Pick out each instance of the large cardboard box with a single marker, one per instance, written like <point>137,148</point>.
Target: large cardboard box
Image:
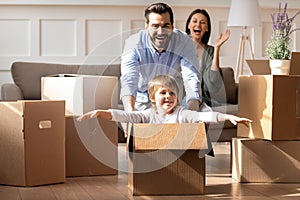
<point>165,159</point>
<point>273,104</point>
<point>32,142</point>
<point>265,161</point>
<point>82,93</point>
<point>91,147</point>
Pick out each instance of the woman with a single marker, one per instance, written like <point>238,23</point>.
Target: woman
<point>198,26</point>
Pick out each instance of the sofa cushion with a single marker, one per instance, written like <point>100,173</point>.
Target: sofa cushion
<point>228,92</point>
<point>27,75</point>
<point>101,70</point>
<point>230,85</point>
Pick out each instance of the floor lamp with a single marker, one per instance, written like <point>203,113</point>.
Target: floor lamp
<point>243,13</point>
<point>244,39</point>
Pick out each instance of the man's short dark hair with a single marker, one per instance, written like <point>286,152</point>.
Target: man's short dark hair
<point>159,8</point>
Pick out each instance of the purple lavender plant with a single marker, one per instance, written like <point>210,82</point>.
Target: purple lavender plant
<point>282,21</point>
<point>279,45</point>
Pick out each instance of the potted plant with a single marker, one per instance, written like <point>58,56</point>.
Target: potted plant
<point>279,47</point>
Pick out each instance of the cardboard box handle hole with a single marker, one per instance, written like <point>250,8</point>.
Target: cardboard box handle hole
<point>45,124</point>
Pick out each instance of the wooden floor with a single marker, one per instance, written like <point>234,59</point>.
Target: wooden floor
<point>219,185</point>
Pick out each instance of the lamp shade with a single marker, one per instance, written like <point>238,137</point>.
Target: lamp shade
<point>244,13</point>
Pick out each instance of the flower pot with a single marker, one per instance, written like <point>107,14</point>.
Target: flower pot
<point>280,67</point>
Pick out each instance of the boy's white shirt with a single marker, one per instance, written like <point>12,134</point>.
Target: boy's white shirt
<point>180,115</point>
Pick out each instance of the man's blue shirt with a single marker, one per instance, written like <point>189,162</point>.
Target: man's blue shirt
<point>141,62</point>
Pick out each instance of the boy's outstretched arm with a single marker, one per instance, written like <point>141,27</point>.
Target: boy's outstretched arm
<point>103,114</point>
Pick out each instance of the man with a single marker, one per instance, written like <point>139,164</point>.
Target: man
<point>158,50</point>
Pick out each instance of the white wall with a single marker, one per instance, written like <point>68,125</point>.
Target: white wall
<point>93,31</point>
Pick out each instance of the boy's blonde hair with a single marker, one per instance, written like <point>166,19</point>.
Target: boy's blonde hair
<point>161,81</point>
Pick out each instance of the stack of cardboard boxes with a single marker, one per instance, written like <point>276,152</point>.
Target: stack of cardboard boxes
<point>92,145</point>
<point>268,149</point>
<point>42,143</point>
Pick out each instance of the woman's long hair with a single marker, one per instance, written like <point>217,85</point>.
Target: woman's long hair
<point>206,35</point>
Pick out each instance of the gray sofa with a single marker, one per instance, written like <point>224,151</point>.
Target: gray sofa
<point>27,86</point>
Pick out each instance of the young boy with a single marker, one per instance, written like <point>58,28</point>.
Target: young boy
<point>163,94</point>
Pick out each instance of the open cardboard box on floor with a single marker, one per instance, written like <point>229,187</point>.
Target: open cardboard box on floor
<point>82,93</point>
<point>273,105</point>
<point>165,159</point>
<point>32,142</point>
<point>91,147</point>
<point>265,161</point>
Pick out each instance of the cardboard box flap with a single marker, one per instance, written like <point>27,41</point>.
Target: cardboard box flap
<point>82,93</point>
<point>177,136</point>
<point>11,143</point>
<point>63,75</point>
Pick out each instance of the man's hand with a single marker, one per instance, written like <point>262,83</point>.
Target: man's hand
<point>128,103</point>
<point>193,105</point>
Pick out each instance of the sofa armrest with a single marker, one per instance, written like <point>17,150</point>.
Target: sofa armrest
<point>10,91</point>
